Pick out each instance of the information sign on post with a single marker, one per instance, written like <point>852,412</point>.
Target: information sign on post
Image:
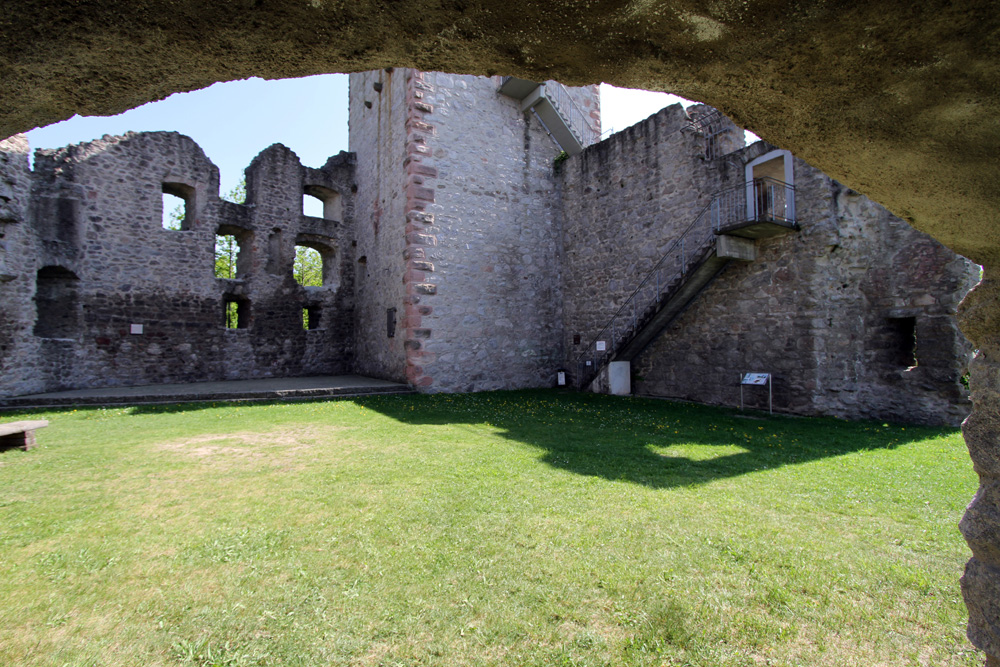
<point>757,380</point>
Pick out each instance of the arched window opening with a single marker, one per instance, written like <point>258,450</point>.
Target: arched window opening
<point>308,266</point>
<point>56,303</point>
<point>178,206</point>
<point>316,262</point>
<point>232,252</point>
<point>320,202</point>
<point>236,313</point>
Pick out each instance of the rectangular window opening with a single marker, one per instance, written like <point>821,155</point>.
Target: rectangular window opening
<point>173,212</point>
<point>178,206</point>
<point>227,249</point>
<point>903,341</point>
<point>311,318</point>
<point>236,314</point>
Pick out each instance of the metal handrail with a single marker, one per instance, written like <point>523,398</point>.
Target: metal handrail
<point>567,107</point>
<point>727,208</point>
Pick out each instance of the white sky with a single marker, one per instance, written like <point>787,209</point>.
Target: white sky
<point>234,121</point>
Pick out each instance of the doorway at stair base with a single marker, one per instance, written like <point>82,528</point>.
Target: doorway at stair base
<point>764,202</point>
<point>620,378</point>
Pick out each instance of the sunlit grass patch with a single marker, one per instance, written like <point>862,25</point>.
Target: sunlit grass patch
<point>509,528</point>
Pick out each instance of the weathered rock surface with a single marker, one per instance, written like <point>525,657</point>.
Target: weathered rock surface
<point>895,99</point>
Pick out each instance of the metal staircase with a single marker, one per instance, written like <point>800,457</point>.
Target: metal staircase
<point>722,232</point>
<point>567,124</point>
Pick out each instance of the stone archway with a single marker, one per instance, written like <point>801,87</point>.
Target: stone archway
<point>895,99</point>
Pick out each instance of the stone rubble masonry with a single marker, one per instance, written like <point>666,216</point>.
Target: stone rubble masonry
<point>89,258</point>
<point>480,266</point>
<point>378,109</point>
<point>816,309</point>
<point>465,259</point>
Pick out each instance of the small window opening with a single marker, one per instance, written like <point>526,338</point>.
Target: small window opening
<point>56,302</point>
<point>311,317</point>
<point>236,313</point>
<point>320,202</point>
<point>308,266</point>
<point>903,341</point>
<point>312,206</point>
<point>178,207</point>
<point>232,255</point>
<point>390,322</point>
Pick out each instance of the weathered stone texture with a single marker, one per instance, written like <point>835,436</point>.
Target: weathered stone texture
<point>624,202</point>
<point>482,308</point>
<point>378,135</point>
<point>97,260</point>
<point>815,309</point>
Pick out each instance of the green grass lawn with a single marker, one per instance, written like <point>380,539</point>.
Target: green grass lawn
<point>509,528</point>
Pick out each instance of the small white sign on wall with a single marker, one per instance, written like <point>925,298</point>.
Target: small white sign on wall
<point>136,329</point>
<point>602,345</point>
<point>759,379</point>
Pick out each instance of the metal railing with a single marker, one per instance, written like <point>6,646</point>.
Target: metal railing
<point>771,200</point>
<point>576,118</point>
<point>727,209</point>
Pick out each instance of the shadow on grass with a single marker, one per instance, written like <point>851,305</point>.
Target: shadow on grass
<point>622,438</point>
<point>616,438</point>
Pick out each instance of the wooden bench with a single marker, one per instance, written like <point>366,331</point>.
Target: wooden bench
<point>20,434</point>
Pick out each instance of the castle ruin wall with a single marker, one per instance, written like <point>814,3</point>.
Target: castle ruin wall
<point>106,296</point>
<point>828,310</point>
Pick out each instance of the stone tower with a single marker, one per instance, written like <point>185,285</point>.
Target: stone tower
<point>458,231</point>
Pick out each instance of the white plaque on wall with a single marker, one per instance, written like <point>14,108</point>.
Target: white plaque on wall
<point>602,346</point>
<point>136,329</point>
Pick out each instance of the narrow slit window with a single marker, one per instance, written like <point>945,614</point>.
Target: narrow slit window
<point>311,318</point>
<point>903,341</point>
<point>236,314</point>
<point>232,260</point>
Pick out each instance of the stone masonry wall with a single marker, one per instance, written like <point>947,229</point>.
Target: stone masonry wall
<point>480,261</point>
<point>825,309</point>
<point>100,261</point>
<point>378,111</point>
<point>624,201</point>
<point>816,309</point>
<point>18,348</point>
<point>496,320</point>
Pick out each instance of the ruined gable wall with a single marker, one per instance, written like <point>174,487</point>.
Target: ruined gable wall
<point>624,201</point>
<point>96,212</point>
<point>798,313</point>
